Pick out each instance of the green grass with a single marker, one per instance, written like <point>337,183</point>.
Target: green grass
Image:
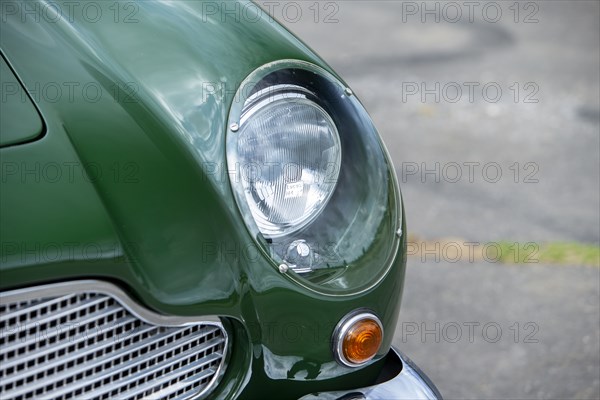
<point>563,253</point>
<point>505,252</point>
<point>570,253</point>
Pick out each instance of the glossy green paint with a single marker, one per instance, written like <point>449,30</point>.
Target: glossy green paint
<point>116,188</point>
<point>20,121</point>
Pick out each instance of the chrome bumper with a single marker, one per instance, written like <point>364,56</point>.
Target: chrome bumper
<point>400,379</point>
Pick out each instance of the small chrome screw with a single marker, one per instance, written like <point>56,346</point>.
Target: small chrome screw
<point>234,127</point>
<point>348,92</point>
<point>399,232</point>
<point>283,268</point>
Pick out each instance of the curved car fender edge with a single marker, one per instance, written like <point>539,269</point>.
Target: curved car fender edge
<point>404,381</point>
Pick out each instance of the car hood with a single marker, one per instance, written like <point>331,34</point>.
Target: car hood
<point>136,134</point>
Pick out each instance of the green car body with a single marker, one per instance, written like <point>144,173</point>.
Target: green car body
<point>113,184</point>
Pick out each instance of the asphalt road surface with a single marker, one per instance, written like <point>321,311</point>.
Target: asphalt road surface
<point>493,122</point>
<point>485,331</point>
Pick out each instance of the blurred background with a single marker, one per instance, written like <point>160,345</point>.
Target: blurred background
<point>491,113</point>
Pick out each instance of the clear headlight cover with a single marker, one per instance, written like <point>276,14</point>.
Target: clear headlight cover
<point>288,150</point>
<point>311,177</point>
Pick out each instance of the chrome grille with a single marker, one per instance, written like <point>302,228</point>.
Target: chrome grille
<point>88,340</point>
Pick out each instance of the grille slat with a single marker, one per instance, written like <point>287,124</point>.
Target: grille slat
<point>115,367</point>
<point>52,317</point>
<point>78,342</point>
<point>38,336</point>
<point>28,308</point>
<point>173,388</point>
<point>145,390</point>
<point>117,371</point>
<point>87,339</point>
<point>176,395</point>
<point>72,357</point>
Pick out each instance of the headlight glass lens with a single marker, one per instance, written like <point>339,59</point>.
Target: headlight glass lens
<point>311,177</point>
<point>289,150</point>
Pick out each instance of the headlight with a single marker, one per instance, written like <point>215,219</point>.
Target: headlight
<point>294,148</point>
<point>311,177</point>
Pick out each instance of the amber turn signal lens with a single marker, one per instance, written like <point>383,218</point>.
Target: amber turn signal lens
<point>362,341</point>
